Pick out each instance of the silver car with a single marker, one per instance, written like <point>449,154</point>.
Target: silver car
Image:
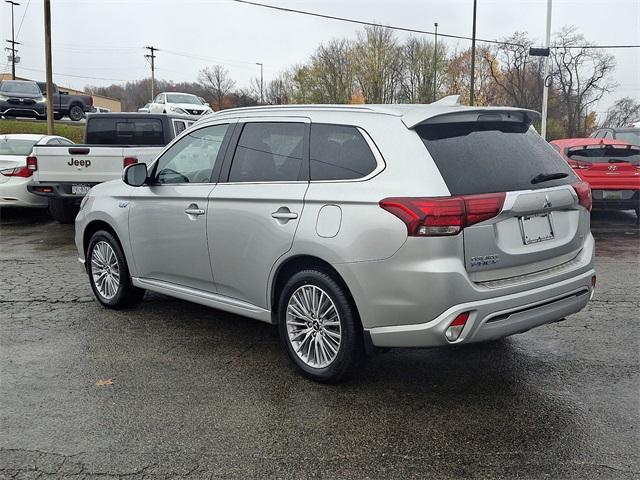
<point>351,227</point>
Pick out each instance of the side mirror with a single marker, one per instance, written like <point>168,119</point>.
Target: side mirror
<point>135,175</point>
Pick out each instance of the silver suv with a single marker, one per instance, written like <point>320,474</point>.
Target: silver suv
<point>351,227</point>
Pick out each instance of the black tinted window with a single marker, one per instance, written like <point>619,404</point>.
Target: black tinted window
<point>268,152</point>
<point>484,157</point>
<point>119,131</point>
<point>339,153</point>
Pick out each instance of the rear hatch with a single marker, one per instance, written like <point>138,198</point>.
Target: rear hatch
<point>540,223</point>
<point>78,163</point>
<point>607,167</point>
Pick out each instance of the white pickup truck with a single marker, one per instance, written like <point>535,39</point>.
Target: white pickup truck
<point>111,142</point>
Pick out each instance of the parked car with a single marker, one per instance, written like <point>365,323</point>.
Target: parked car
<point>21,98</point>
<point>68,105</point>
<point>630,135</point>
<point>144,108</point>
<point>351,227</point>
<point>611,167</point>
<point>181,103</point>
<point>111,141</point>
<point>15,175</point>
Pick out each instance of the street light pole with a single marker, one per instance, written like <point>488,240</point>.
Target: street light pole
<point>473,56</point>
<point>261,82</point>
<point>435,62</point>
<point>545,85</point>
<point>13,40</point>
<point>48,63</point>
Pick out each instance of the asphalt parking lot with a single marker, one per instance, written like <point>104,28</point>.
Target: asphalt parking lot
<point>177,390</point>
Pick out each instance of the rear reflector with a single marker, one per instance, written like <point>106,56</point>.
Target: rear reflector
<point>32,163</point>
<point>583,190</point>
<point>455,329</point>
<point>17,172</point>
<point>44,189</point>
<point>438,216</point>
<point>129,161</point>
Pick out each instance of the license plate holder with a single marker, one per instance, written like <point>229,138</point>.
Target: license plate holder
<point>536,228</point>
<point>611,194</point>
<point>80,189</point>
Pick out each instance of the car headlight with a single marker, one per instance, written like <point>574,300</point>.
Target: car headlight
<point>177,110</point>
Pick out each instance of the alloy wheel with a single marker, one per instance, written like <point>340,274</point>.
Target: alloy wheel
<point>313,326</point>
<point>105,270</point>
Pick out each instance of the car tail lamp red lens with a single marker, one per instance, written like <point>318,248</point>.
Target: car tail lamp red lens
<point>129,161</point>
<point>583,190</point>
<point>32,163</point>
<point>440,216</point>
<point>455,328</point>
<point>17,172</point>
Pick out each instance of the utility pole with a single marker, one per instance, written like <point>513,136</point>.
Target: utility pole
<point>48,62</point>
<point>261,83</point>
<point>545,85</point>
<point>473,56</point>
<point>435,62</point>
<point>13,42</point>
<point>152,56</point>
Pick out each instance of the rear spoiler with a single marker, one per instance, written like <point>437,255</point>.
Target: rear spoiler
<point>445,112</point>
<point>621,146</point>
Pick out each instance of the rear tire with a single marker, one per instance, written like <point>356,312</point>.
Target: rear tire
<point>76,113</point>
<point>63,211</point>
<point>319,327</point>
<point>109,273</point>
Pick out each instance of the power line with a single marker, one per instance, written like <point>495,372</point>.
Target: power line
<point>413,30</point>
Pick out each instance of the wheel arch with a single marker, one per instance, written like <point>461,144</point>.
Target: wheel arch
<point>92,227</point>
<point>296,263</point>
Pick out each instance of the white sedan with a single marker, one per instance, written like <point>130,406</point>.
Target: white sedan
<point>14,173</point>
<point>182,103</point>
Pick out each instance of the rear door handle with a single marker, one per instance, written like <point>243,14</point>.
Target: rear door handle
<point>194,210</point>
<point>283,213</point>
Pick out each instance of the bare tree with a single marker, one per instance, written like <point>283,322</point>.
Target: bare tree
<point>332,65</point>
<point>622,113</point>
<point>580,76</point>
<point>280,90</point>
<point>418,67</point>
<point>518,76</point>
<point>217,81</point>
<point>458,82</point>
<point>377,61</point>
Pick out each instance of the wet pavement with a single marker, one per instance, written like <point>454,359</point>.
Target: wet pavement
<point>177,390</point>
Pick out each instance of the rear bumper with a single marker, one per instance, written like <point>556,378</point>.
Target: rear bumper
<point>630,199</point>
<point>495,317</point>
<point>57,189</point>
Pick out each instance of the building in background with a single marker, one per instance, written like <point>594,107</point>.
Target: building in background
<point>112,104</point>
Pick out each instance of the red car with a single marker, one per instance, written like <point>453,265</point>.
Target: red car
<point>611,167</point>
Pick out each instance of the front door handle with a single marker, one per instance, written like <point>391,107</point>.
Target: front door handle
<point>194,210</point>
<point>283,214</point>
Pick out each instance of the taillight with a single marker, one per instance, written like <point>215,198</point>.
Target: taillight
<point>438,216</point>
<point>32,163</point>
<point>129,161</point>
<point>17,172</point>
<point>583,190</point>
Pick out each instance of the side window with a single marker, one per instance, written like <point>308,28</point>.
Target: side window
<point>268,152</point>
<point>64,141</point>
<point>53,141</point>
<point>608,134</point>
<point>192,158</point>
<point>160,98</point>
<point>179,127</point>
<point>339,153</point>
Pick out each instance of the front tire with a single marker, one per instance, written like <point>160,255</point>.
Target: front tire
<point>319,327</point>
<point>109,273</point>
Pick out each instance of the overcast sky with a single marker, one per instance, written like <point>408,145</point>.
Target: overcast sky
<point>104,38</point>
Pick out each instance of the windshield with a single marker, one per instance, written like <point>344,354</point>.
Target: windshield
<point>632,137</point>
<point>19,87</point>
<point>487,157</point>
<point>606,154</point>
<point>9,146</point>
<point>183,98</point>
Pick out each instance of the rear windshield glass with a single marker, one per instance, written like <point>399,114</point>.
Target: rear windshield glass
<point>16,147</point>
<point>606,154</point>
<point>633,137</point>
<point>119,131</point>
<point>485,157</point>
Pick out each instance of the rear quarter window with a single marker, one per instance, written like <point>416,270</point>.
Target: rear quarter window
<point>339,152</point>
<point>487,157</point>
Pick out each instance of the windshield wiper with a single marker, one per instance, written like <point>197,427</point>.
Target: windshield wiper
<point>618,160</point>
<point>545,177</point>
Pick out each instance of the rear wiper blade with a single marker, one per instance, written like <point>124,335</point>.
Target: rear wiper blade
<point>545,177</point>
<point>618,160</point>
